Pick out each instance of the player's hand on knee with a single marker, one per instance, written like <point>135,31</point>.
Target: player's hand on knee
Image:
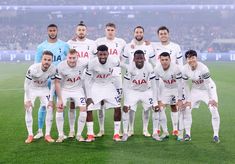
<point>125,109</point>
<point>161,105</point>
<point>156,108</point>
<point>213,103</point>
<point>50,104</point>
<point>60,106</point>
<point>180,104</point>
<point>187,104</point>
<point>89,101</point>
<point>28,105</point>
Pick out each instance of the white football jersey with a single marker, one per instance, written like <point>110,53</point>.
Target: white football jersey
<point>147,49</point>
<point>172,48</point>
<point>116,46</point>
<point>198,76</point>
<point>101,73</point>
<point>139,79</point>
<point>86,49</point>
<point>71,78</point>
<point>169,76</point>
<point>39,78</point>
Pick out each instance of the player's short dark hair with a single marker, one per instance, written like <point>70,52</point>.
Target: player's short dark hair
<point>110,24</point>
<point>102,48</point>
<point>139,27</point>
<point>47,53</point>
<point>138,52</point>
<point>162,28</point>
<point>165,54</point>
<point>72,51</point>
<point>52,25</point>
<point>190,53</point>
<point>81,23</point>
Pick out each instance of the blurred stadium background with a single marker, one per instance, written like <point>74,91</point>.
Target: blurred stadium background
<point>207,26</point>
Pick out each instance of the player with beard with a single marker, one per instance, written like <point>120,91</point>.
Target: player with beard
<point>139,86</point>
<point>59,49</point>
<point>116,47</point>
<point>86,50</point>
<point>35,86</point>
<point>138,43</point>
<point>99,87</point>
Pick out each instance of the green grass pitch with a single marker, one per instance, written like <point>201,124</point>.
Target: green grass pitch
<point>137,149</point>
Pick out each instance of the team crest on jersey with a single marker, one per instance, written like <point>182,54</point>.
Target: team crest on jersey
<point>139,82</point>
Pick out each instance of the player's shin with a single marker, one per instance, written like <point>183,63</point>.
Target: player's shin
<point>163,120</point>
<point>131,121</point>
<point>49,119</point>
<point>155,120</point>
<point>29,121</point>
<point>60,123</point>
<point>41,117</point>
<point>215,120</point>
<point>187,117</point>
<point>101,117</point>
<point>117,120</point>
<point>72,117</point>
<point>145,117</point>
<point>81,122</point>
<point>125,121</point>
<point>175,120</point>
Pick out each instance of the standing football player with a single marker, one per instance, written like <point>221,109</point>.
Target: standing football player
<point>115,47</point>
<point>59,49</point>
<point>86,49</point>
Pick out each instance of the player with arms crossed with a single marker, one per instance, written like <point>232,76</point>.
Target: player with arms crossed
<point>99,87</point>
<point>116,47</point>
<point>86,49</point>
<point>138,43</point>
<point>139,85</point>
<point>203,89</point>
<point>69,85</point>
<point>169,94</point>
<point>59,49</point>
<point>35,85</point>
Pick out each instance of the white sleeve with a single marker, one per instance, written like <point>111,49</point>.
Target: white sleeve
<point>207,80</point>
<point>179,83</point>
<point>186,87</point>
<point>27,83</point>
<point>125,55</point>
<point>179,57</point>
<point>152,57</point>
<point>88,81</point>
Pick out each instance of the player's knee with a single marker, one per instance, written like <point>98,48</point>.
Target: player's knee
<point>214,112</point>
<point>117,114</point>
<point>173,108</point>
<point>72,105</point>
<point>89,116</point>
